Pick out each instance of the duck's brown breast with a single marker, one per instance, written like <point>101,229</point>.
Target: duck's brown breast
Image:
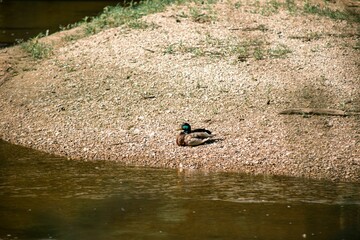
<point>180,139</point>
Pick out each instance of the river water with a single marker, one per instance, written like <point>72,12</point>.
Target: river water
<point>48,197</point>
<point>23,19</point>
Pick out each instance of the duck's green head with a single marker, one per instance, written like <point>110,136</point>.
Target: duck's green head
<point>186,128</point>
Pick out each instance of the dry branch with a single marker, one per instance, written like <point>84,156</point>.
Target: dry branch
<point>318,111</point>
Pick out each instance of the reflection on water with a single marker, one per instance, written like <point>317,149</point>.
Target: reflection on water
<point>48,197</point>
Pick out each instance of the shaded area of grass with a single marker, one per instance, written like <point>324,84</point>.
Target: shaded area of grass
<point>274,6</point>
<point>327,12</point>
<point>242,50</point>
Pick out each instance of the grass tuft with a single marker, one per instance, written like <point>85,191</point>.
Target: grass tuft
<point>280,51</point>
<point>114,16</point>
<point>35,48</point>
<point>243,50</point>
<point>273,6</point>
<point>140,24</point>
<point>327,12</point>
<point>202,15</point>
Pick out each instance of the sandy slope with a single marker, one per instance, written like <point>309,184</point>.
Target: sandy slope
<point>120,94</point>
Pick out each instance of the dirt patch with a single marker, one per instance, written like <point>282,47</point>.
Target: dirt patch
<point>230,67</point>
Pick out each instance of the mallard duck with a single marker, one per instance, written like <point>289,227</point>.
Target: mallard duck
<point>194,137</point>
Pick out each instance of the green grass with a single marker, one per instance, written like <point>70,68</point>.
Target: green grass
<point>258,53</point>
<point>311,36</point>
<point>251,48</point>
<point>140,24</point>
<point>357,45</point>
<point>315,9</point>
<point>237,5</point>
<point>197,15</point>
<point>201,11</point>
<point>37,49</point>
<point>290,6</point>
<point>71,37</point>
<point>327,12</point>
<point>220,48</point>
<point>114,16</point>
<point>271,7</point>
<point>279,51</point>
<point>202,14</point>
<point>170,49</point>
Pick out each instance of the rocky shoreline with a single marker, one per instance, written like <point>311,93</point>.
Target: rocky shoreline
<point>120,94</point>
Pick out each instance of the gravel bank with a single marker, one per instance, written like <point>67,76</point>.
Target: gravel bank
<point>120,94</point>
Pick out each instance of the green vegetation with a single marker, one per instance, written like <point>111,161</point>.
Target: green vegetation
<point>273,6</point>
<point>140,24</point>
<point>199,11</point>
<point>247,49</point>
<point>72,37</point>
<point>216,47</point>
<point>267,9</point>
<point>258,53</point>
<point>114,16</point>
<point>290,6</point>
<point>357,45</point>
<point>237,5</point>
<point>35,48</point>
<point>203,14</point>
<point>308,37</point>
<point>280,51</point>
<point>315,9</point>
